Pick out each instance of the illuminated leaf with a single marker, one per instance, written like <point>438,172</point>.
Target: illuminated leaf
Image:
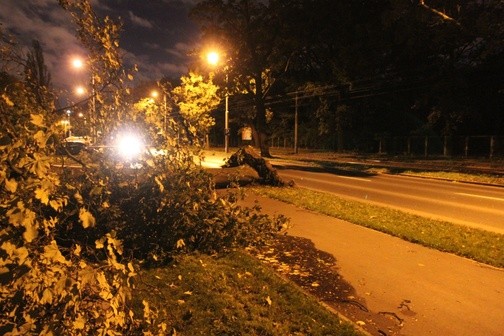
<point>78,198</point>
<point>42,195</point>
<point>20,254</point>
<point>87,219</point>
<point>53,254</point>
<point>7,100</point>
<point>100,243</point>
<point>146,309</point>
<point>77,250</point>
<point>79,323</point>
<point>15,216</point>
<point>41,139</point>
<point>31,232</point>
<point>105,288</point>
<point>37,119</point>
<point>11,185</point>
<point>56,204</point>
<point>180,243</point>
<point>47,296</point>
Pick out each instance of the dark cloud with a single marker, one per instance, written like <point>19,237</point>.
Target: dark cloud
<point>157,34</point>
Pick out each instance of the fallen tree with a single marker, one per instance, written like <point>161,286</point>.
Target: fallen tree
<point>247,155</point>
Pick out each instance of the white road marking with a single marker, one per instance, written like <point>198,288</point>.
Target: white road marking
<point>480,196</point>
<point>354,178</point>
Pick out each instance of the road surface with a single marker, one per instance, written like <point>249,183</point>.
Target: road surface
<point>461,203</point>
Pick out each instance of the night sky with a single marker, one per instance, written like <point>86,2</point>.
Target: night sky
<point>157,35</point>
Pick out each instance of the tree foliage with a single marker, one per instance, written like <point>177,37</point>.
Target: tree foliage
<point>399,67</point>
<point>195,99</point>
<point>247,33</point>
<point>71,240</point>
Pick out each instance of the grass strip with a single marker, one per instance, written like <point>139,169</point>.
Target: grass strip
<point>461,177</point>
<point>479,245</point>
<point>233,294</point>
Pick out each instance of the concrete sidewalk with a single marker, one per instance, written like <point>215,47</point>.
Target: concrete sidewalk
<point>434,293</point>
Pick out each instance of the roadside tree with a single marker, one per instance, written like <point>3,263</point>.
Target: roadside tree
<point>72,240</point>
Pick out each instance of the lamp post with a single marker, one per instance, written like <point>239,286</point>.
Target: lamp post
<point>155,95</point>
<point>213,58</point>
<point>78,64</point>
<point>68,112</point>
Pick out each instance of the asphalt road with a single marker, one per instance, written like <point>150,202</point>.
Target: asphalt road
<point>478,206</point>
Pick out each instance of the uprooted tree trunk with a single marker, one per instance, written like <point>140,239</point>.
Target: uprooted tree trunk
<point>247,155</point>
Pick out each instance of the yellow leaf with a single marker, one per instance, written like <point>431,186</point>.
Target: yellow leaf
<point>86,218</point>
<point>46,296</point>
<point>77,250</point>
<point>180,243</point>
<point>42,195</point>
<point>31,231</point>
<point>53,254</point>
<point>37,119</point>
<point>78,198</point>
<point>56,205</point>
<point>11,185</point>
<point>7,100</point>
<point>79,323</point>
<point>146,309</point>
<point>40,138</point>
<point>100,243</point>
<point>15,253</point>
<point>268,300</point>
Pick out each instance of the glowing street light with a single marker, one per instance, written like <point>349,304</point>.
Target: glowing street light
<point>78,64</point>
<point>80,90</point>
<point>213,59</point>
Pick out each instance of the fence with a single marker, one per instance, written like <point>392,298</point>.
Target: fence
<point>486,146</point>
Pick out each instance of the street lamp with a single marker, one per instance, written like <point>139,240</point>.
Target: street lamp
<point>78,64</point>
<point>80,90</point>
<point>68,112</point>
<point>213,59</point>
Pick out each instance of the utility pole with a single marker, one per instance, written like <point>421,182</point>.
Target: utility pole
<point>296,125</point>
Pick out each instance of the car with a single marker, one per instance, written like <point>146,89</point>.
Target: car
<point>73,145</point>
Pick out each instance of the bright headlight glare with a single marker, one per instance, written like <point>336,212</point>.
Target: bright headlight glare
<point>129,146</point>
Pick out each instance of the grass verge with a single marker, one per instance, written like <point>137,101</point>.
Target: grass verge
<point>460,177</point>
<point>479,245</point>
<point>232,294</point>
